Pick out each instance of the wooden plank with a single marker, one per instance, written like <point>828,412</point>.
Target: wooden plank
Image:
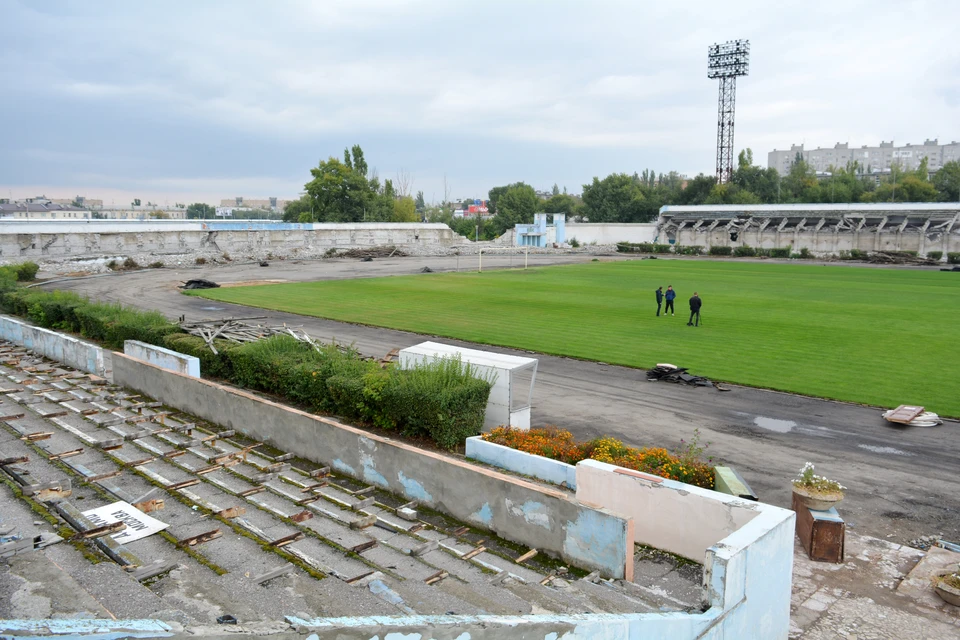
<point>14,460</point>
<point>526,556</point>
<point>460,531</point>
<point>320,473</point>
<point>313,487</point>
<point>105,530</point>
<point>303,516</point>
<point>201,538</point>
<point>250,492</point>
<point>232,512</point>
<point>11,416</point>
<point>359,577</point>
<point>210,469</point>
<point>360,548</point>
<point>65,454</point>
<point>39,435</point>
<point>308,500</point>
<point>472,554</point>
<point>148,506</point>
<point>904,413</point>
<point>284,541</point>
<point>139,463</point>
<point>103,476</point>
<point>182,485</point>
<point>173,454</point>
<point>436,577</point>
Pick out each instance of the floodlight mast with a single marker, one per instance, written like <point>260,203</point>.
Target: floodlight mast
<point>725,62</point>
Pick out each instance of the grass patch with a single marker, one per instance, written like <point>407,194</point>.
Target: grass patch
<point>877,336</point>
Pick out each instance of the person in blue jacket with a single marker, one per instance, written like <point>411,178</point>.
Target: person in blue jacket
<point>659,299</point>
<point>671,294</point>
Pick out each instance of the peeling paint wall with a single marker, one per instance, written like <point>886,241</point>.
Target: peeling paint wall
<point>553,471</point>
<point>611,232</point>
<point>164,358</point>
<point>518,510</point>
<point>56,346</point>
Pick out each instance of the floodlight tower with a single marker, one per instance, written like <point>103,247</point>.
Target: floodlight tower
<point>727,61</point>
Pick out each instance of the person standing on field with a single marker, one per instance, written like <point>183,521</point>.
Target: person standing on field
<point>695,304</point>
<point>671,294</point>
<point>659,299</point>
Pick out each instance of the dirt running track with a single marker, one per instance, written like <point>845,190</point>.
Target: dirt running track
<point>902,482</point>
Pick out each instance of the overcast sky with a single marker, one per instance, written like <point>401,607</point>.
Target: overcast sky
<point>183,101</point>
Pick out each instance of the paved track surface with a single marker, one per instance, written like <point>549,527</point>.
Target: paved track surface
<point>902,482</point>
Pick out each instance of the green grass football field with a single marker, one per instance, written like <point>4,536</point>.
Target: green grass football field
<point>876,336</point>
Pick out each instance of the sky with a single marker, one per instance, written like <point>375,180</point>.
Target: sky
<point>185,101</point>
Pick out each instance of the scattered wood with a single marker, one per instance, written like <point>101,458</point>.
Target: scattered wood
<point>14,460</point>
<point>250,492</point>
<point>65,454</point>
<point>141,462</point>
<point>314,487</point>
<point>232,512</point>
<point>276,573</point>
<point>472,554</point>
<point>320,473</point>
<point>307,500</point>
<point>11,416</point>
<point>904,414</point>
<point>103,476</point>
<point>182,485</point>
<point>360,548</point>
<point>210,469</point>
<point>105,530</point>
<point>460,531</point>
<point>284,541</point>
<point>303,516</point>
<point>173,454</point>
<point>436,577</point>
<point>39,435</point>
<point>201,538</point>
<point>526,556</point>
<point>359,577</point>
<point>147,506</point>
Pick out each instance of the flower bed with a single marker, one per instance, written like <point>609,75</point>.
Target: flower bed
<point>684,466</point>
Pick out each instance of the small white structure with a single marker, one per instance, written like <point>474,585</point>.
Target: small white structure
<point>512,377</point>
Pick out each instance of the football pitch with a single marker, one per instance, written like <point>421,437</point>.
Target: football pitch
<point>875,336</point>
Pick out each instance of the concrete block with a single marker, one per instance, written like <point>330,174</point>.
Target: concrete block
<point>407,514</point>
<point>164,358</point>
<point>363,523</point>
<point>365,503</point>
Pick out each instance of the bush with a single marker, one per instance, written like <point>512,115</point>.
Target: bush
<point>692,250</point>
<point>26,271</point>
<point>953,258</point>
<point>783,252</point>
<point>200,260</point>
<point>574,243</point>
<point>805,254</point>
<point>935,255</point>
<point>130,263</point>
<point>743,251</point>
<point>687,465</point>
<point>721,251</point>
<point>156,265</point>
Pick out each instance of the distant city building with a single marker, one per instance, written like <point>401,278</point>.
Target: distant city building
<point>42,210</point>
<point>272,203</point>
<point>871,160</point>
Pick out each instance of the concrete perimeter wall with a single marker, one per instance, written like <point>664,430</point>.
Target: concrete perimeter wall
<point>611,233</point>
<point>497,455</point>
<point>56,346</point>
<point>521,511</point>
<point>163,358</point>
<point>61,239</point>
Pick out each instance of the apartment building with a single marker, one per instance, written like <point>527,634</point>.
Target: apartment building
<point>870,159</point>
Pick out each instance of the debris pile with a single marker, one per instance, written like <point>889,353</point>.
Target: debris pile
<point>236,330</point>
<point>897,257</point>
<point>388,251</point>
<point>199,283</point>
<point>672,373</point>
<point>913,416</point>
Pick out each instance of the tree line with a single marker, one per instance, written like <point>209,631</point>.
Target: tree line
<point>347,191</point>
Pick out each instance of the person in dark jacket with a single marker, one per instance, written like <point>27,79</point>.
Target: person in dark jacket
<point>671,294</point>
<point>659,299</point>
<point>695,304</point>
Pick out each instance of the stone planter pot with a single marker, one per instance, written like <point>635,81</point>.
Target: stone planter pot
<point>949,593</point>
<point>817,502</point>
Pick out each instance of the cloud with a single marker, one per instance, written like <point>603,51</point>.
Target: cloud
<point>157,96</point>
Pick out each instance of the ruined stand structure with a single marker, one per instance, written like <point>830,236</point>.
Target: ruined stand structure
<point>822,229</point>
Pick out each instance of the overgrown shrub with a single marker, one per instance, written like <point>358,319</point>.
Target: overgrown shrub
<point>721,251</point>
<point>686,465</point>
<point>200,260</point>
<point>692,250</point>
<point>130,264</point>
<point>574,243</point>
<point>26,271</point>
<point>743,251</point>
<point>935,255</point>
<point>156,265</point>
<point>953,257</point>
<point>805,254</point>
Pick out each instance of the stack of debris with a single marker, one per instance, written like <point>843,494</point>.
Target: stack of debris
<point>913,416</point>
<point>897,257</point>
<point>236,330</point>
<point>373,252</point>
<point>673,373</point>
<point>199,283</point>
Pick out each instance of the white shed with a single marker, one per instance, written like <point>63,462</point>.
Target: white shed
<point>512,389</point>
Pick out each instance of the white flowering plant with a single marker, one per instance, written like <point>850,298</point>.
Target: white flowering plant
<point>810,482</point>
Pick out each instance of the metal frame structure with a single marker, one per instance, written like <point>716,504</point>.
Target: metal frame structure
<point>725,62</point>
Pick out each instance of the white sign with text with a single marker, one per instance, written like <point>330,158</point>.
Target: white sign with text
<point>139,524</point>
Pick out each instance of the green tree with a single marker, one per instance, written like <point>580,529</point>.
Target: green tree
<point>516,206</point>
<point>947,182</point>
<point>405,210</point>
<point>296,208</point>
<point>560,203</point>
<point>201,210</point>
<point>730,193</point>
<point>556,190</point>
<point>697,190</point>
<point>420,203</point>
<point>616,198</point>
<point>338,193</point>
<point>359,164</point>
